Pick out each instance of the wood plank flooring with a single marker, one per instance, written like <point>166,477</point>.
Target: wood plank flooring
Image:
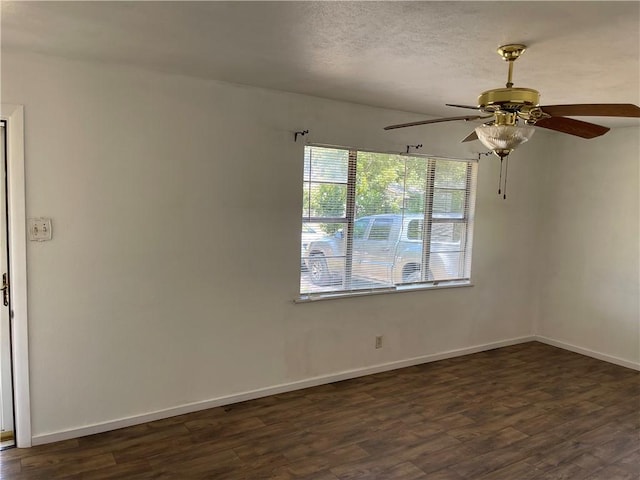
<point>525,412</point>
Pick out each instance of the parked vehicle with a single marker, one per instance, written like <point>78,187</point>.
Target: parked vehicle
<point>387,249</point>
<point>309,234</point>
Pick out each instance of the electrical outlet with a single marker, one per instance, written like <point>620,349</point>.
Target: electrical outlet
<point>379,341</point>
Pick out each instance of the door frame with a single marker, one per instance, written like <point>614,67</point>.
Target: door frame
<point>13,115</point>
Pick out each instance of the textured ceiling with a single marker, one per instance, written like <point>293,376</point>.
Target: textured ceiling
<point>412,56</point>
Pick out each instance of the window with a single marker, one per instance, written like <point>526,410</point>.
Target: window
<point>373,221</point>
<point>414,229</point>
<point>359,228</point>
<point>381,229</point>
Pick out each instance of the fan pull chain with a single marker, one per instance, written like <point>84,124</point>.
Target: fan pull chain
<point>502,185</point>
<point>506,172</point>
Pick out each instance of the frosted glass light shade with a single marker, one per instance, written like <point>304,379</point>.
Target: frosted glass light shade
<point>503,137</point>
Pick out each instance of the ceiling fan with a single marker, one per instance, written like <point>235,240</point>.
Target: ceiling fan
<point>511,113</point>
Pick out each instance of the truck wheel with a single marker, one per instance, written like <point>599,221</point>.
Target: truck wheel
<point>318,270</point>
<point>412,277</point>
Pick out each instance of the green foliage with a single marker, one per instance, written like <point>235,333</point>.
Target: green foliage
<point>388,183</point>
<point>385,183</point>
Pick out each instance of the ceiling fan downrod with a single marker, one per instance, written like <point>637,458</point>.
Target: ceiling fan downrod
<point>510,53</point>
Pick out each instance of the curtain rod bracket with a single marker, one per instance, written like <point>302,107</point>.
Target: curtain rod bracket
<point>301,133</point>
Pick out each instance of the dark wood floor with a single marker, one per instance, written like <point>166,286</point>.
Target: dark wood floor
<point>529,411</point>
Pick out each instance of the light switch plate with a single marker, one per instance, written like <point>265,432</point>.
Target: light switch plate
<point>39,229</point>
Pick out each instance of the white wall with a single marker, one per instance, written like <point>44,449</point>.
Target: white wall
<point>589,281</point>
<point>176,220</point>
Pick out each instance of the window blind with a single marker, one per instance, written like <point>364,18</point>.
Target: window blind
<point>378,221</point>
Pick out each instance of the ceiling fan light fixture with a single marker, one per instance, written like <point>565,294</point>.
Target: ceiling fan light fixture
<point>502,139</point>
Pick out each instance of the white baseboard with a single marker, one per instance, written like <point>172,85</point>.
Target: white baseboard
<point>264,392</point>
<point>312,382</point>
<point>589,353</point>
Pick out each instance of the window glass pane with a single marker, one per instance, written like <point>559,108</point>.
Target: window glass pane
<point>415,180</point>
<point>448,237</point>
<point>451,174</point>
<point>325,200</point>
<point>311,232</point>
<point>446,265</point>
<point>322,259</point>
<point>380,229</point>
<point>448,203</point>
<point>414,229</point>
<point>408,258</point>
<point>360,228</point>
<point>305,199</point>
<point>326,164</point>
<point>379,183</point>
<point>332,229</point>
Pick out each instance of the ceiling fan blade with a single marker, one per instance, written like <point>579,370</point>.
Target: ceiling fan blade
<point>471,137</point>
<point>593,110</point>
<point>572,127</point>
<point>462,106</point>
<point>437,120</point>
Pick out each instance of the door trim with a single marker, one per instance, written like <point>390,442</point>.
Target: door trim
<point>17,243</point>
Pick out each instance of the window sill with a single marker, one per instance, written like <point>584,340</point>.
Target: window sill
<point>315,297</point>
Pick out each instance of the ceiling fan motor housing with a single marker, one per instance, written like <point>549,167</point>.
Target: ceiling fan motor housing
<point>509,99</point>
